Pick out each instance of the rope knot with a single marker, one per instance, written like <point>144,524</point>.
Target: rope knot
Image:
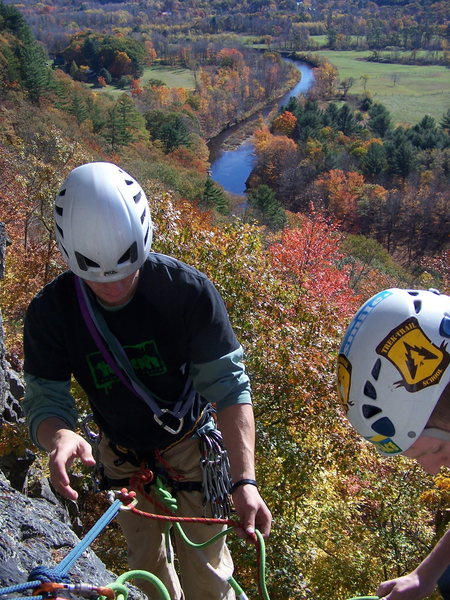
<point>142,477</point>
<point>47,574</point>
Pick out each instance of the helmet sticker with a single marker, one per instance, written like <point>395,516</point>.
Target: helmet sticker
<point>344,378</point>
<point>384,444</point>
<point>359,319</point>
<point>420,362</point>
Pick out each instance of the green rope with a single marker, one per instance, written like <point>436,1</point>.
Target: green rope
<point>137,574</point>
<point>240,594</point>
<point>262,566</point>
<point>166,497</point>
<point>201,544</point>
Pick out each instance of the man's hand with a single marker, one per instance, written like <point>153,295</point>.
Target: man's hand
<point>421,582</point>
<point>64,446</point>
<point>252,510</point>
<point>408,587</point>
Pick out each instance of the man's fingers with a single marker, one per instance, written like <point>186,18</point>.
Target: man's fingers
<point>86,457</point>
<point>61,459</point>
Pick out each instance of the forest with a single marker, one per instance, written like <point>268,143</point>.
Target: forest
<point>342,203</point>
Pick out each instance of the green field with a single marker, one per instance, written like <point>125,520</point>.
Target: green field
<point>171,76</point>
<point>408,91</point>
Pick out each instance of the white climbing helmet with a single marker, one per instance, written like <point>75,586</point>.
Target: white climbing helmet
<point>393,365</point>
<point>102,222</point>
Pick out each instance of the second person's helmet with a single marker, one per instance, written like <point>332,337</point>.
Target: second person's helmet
<point>393,365</point>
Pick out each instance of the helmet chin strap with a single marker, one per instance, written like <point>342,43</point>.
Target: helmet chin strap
<point>439,434</point>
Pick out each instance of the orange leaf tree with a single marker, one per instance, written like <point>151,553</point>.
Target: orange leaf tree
<point>337,523</point>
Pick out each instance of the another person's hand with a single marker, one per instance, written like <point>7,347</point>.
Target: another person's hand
<point>67,446</point>
<point>252,511</point>
<point>408,587</point>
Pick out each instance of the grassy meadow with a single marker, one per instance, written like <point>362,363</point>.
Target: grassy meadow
<point>408,91</point>
<point>171,76</point>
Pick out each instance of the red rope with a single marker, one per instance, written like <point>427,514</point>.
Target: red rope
<point>127,497</point>
<point>174,518</point>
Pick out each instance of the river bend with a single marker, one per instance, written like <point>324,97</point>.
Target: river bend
<point>231,168</point>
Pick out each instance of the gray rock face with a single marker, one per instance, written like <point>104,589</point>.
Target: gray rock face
<point>36,532</point>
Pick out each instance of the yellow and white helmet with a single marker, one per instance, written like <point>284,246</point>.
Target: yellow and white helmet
<point>393,365</point>
<point>102,222</point>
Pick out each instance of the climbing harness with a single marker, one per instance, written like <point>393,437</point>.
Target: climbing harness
<point>48,583</point>
<point>216,479</point>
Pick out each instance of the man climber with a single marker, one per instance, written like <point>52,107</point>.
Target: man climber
<point>394,379</point>
<point>149,340</point>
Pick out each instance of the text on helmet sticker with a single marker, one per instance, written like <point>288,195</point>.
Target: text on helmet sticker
<point>344,379</point>
<point>420,362</point>
<point>384,444</point>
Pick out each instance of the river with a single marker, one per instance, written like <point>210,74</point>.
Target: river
<point>231,168</point>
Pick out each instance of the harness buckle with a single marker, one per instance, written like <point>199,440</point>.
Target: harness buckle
<point>167,426</point>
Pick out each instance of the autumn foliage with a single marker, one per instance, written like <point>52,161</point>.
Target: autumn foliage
<point>344,518</point>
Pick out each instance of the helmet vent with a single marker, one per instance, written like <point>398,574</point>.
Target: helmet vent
<point>137,197</point>
<point>84,263</point>
<point>384,426</point>
<point>59,210</point>
<point>370,391</point>
<point>146,236</point>
<point>369,410</point>
<point>130,255</point>
<point>376,369</point>
<point>62,192</point>
<point>444,328</point>
<point>129,181</point>
<point>417,306</point>
<point>60,231</point>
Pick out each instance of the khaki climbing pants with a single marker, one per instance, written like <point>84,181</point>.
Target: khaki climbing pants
<point>197,573</point>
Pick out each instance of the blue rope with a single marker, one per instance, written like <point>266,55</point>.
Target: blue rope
<point>104,520</point>
<point>19,587</point>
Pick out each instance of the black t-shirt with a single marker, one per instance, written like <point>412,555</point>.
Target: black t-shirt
<point>175,318</point>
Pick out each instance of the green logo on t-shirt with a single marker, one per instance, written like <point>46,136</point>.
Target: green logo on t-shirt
<point>144,358</point>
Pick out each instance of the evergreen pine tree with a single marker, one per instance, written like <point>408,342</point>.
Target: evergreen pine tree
<point>125,124</point>
<point>266,207</point>
<point>400,154</point>
<point>79,109</point>
<point>34,72</point>
<point>346,122</point>
<point>379,119</point>
<point>445,122</point>
<point>94,114</point>
<point>215,197</point>
<point>374,162</point>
